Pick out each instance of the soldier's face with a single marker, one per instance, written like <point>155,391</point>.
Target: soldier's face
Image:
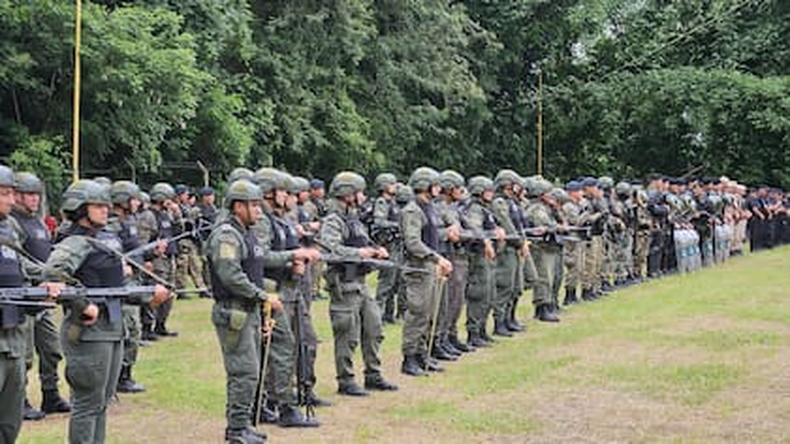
<point>317,193</point>
<point>6,200</point>
<point>488,195</point>
<point>97,214</point>
<point>290,201</point>
<point>134,205</point>
<point>360,197</point>
<point>280,198</point>
<point>250,212</point>
<point>435,190</point>
<point>30,201</point>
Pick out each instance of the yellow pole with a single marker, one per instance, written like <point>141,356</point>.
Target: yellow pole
<point>540,122</point>
<point>75,157</point>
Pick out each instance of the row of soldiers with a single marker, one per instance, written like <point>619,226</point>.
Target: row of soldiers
<point>440,243</point>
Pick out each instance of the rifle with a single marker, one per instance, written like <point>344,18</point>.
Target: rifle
<point>203,225</point>
<point>467,236</point>
<point>109,296</point>
<point>332,259</point>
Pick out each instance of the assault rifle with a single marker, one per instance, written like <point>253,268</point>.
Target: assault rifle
<point>202,226</point>
<point>36,297</point>
<point>333,259</point>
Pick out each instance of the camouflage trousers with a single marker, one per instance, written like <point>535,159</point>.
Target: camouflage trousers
<point>574,264</point>
<point>43,338</point>
<point>189,265</point>
<point>593,259</point>
<point>641,251</point>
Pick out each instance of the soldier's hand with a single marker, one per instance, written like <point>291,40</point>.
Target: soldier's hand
<point>368,252</point>
<point>524,252</point>
<point>305,254</point>
<point>454,233</point>
<point>127,270</point>
<point>445,267</point>
<point>53,290</point>
<point>500,234</point>
<point>275,302</point>
<point>298,268</point>
<point>382,253</point>
<point>300,230</point>
<point>90,315</point>
<point>489,251</point>
<point>161,295</point>
<point>314,226</point>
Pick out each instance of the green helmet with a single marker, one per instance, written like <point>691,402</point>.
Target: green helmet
<point>507,178</point>
<point>7,178</point>
<point>243,190</point>
<point>346,183</point>
<point>528,183</point>
<point>605,183</point>
<point>423,178</point>
<point>451,179</point>
<point>479,184</point>
<point>622,188</point>
<point>103,180</point>
<point>123,191</point>
<point>241,173</point>
<point>145,197</point>
<point>383,180</point>
<point>560,195</point>
<point>162,191</point>
<point>715,202</point>
<point>403,193</point>
<point>83,192</point>
<point>270,179</point>
<point>299,184</point>
<point>540,187</point>
<point>28,183</point>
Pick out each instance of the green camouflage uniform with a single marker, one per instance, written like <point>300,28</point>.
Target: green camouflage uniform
<point>385,228</point>
<point>507,262</point>
<point>574,251</point>
<point>355,315</point>
<point>481,286</point>
<point>545,255</point>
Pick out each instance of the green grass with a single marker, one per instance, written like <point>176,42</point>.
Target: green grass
<point>693,358</point>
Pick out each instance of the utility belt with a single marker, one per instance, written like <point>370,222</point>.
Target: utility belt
<point>350,272</point>
<point>248,306</point>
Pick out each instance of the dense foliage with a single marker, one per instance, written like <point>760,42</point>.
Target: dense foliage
<point>315,87</point>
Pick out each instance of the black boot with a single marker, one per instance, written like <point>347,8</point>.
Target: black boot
<point>429,364</point>
<point>246,435</point>
<point>460,346</point>
<point>606,287</point>
<point>148,334</point>
<point>570,297</point>
<point>450,348</point>
<point>476,341</point>
<point>161,330</point>
<point>32,414</point>
<point>268,413</point>
<point>125,382</point>
<point>313,400</point>
<point>441,354</point>
<point>544,313</point>
<point>411,366</point>
<point>588,295</point>
<point>52,402</point>
<point>500,329</point>
<point>486,338</point>
<point>291,416</point>
<point>351,389</point>
<point>380,384</point>
<point>512,323</point>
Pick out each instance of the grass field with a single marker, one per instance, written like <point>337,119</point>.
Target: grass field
<point>695,358</point>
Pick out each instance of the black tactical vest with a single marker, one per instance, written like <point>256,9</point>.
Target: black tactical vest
<point>284,238</point>
<point>10,276</point>
<point>166,230</point>
<point>516,216</point>
<point>101,268</point>
<point>38,242</point>
<point>430,231</point>
<point>252,265</point>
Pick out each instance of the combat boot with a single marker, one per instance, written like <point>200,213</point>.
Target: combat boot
<point>570,297</point>
<point>460,346</point>
<point>476,341</point>
<point>162,331</point>
<point>312,399</point>
<point>429,364</point>
<point>31,414</point>
<point>268,413</point>
<point>246,435</point>
<point>125,382</point>
<point>543,313</point>
<point>486,338</point>
<point>511,322</point>
<point>500,329</point>
<point>411,366</point>
<point>380,384</point>
<point>450,348</point>
<point>351,389</point>
<point>441,354</point>
<point>588,294</point>
<point>291,416</point>
<point>52,402</point>
<point>148,334</point>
